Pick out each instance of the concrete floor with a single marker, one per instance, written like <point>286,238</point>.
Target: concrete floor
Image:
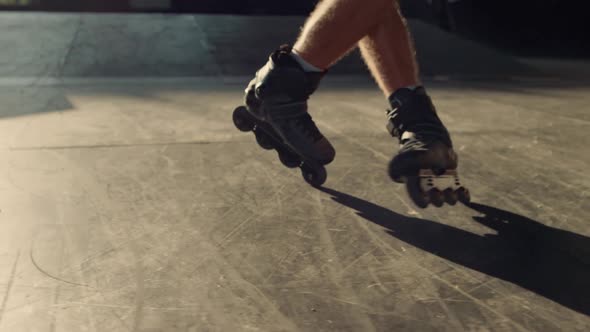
<point>133,204</point>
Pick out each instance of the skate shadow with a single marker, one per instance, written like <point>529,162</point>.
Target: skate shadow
<point>548,261</point>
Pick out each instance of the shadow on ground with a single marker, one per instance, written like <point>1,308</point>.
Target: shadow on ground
<point>548,261</point>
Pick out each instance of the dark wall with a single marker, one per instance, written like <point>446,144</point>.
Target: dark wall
<point>178,6</point>
<point>550,27</point>
<point>247,6</point>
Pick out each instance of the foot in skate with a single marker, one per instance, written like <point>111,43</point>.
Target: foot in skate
<point>426,161</point>
<point>276,111</point>
<point>312,171</point>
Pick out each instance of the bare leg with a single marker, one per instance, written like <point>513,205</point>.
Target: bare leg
<point>336,26</point>
<point>333,29</point>
<point>389,52</point>
<point>276,99</point>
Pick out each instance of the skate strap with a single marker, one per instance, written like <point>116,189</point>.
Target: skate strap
<point>424,132</point>
<point>417,114</point>
<point>288,111</point>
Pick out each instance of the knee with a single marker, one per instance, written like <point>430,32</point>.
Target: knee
<point>379,6</point>
<point>389,3</point>
<point>382,4</point>
<point>393,3</point>
<point>386,9</point>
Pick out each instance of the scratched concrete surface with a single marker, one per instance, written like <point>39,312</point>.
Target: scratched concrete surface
<point>132,204</point>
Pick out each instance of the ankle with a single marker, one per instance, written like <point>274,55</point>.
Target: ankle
<point>305,65</point>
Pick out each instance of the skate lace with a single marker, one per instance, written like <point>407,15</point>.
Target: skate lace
<point>306,124</point>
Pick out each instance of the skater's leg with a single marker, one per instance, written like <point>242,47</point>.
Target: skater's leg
<point>388,51</point>
<point>336,26</point>
<point>426,160</point>
<point>279,92</point>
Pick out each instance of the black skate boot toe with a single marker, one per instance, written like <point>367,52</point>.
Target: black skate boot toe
<point>402,166</point>
<point>325,151</point>
<point>438,158</point>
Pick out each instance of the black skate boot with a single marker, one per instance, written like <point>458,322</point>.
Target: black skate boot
<point>276,111</point>
<point>426,161</point>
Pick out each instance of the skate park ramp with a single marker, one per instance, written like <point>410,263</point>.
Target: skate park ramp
<point>130,202</point>
<point>112,45</point>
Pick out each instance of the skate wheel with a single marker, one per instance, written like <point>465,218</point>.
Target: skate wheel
<point>450,197</point>
<point>242,119</point>
<point>436,197</point>
<point>288,159</point>
<point>419,197</point>
<point>314,176</point>
<point>463,195</point>
<point>264,140</point>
